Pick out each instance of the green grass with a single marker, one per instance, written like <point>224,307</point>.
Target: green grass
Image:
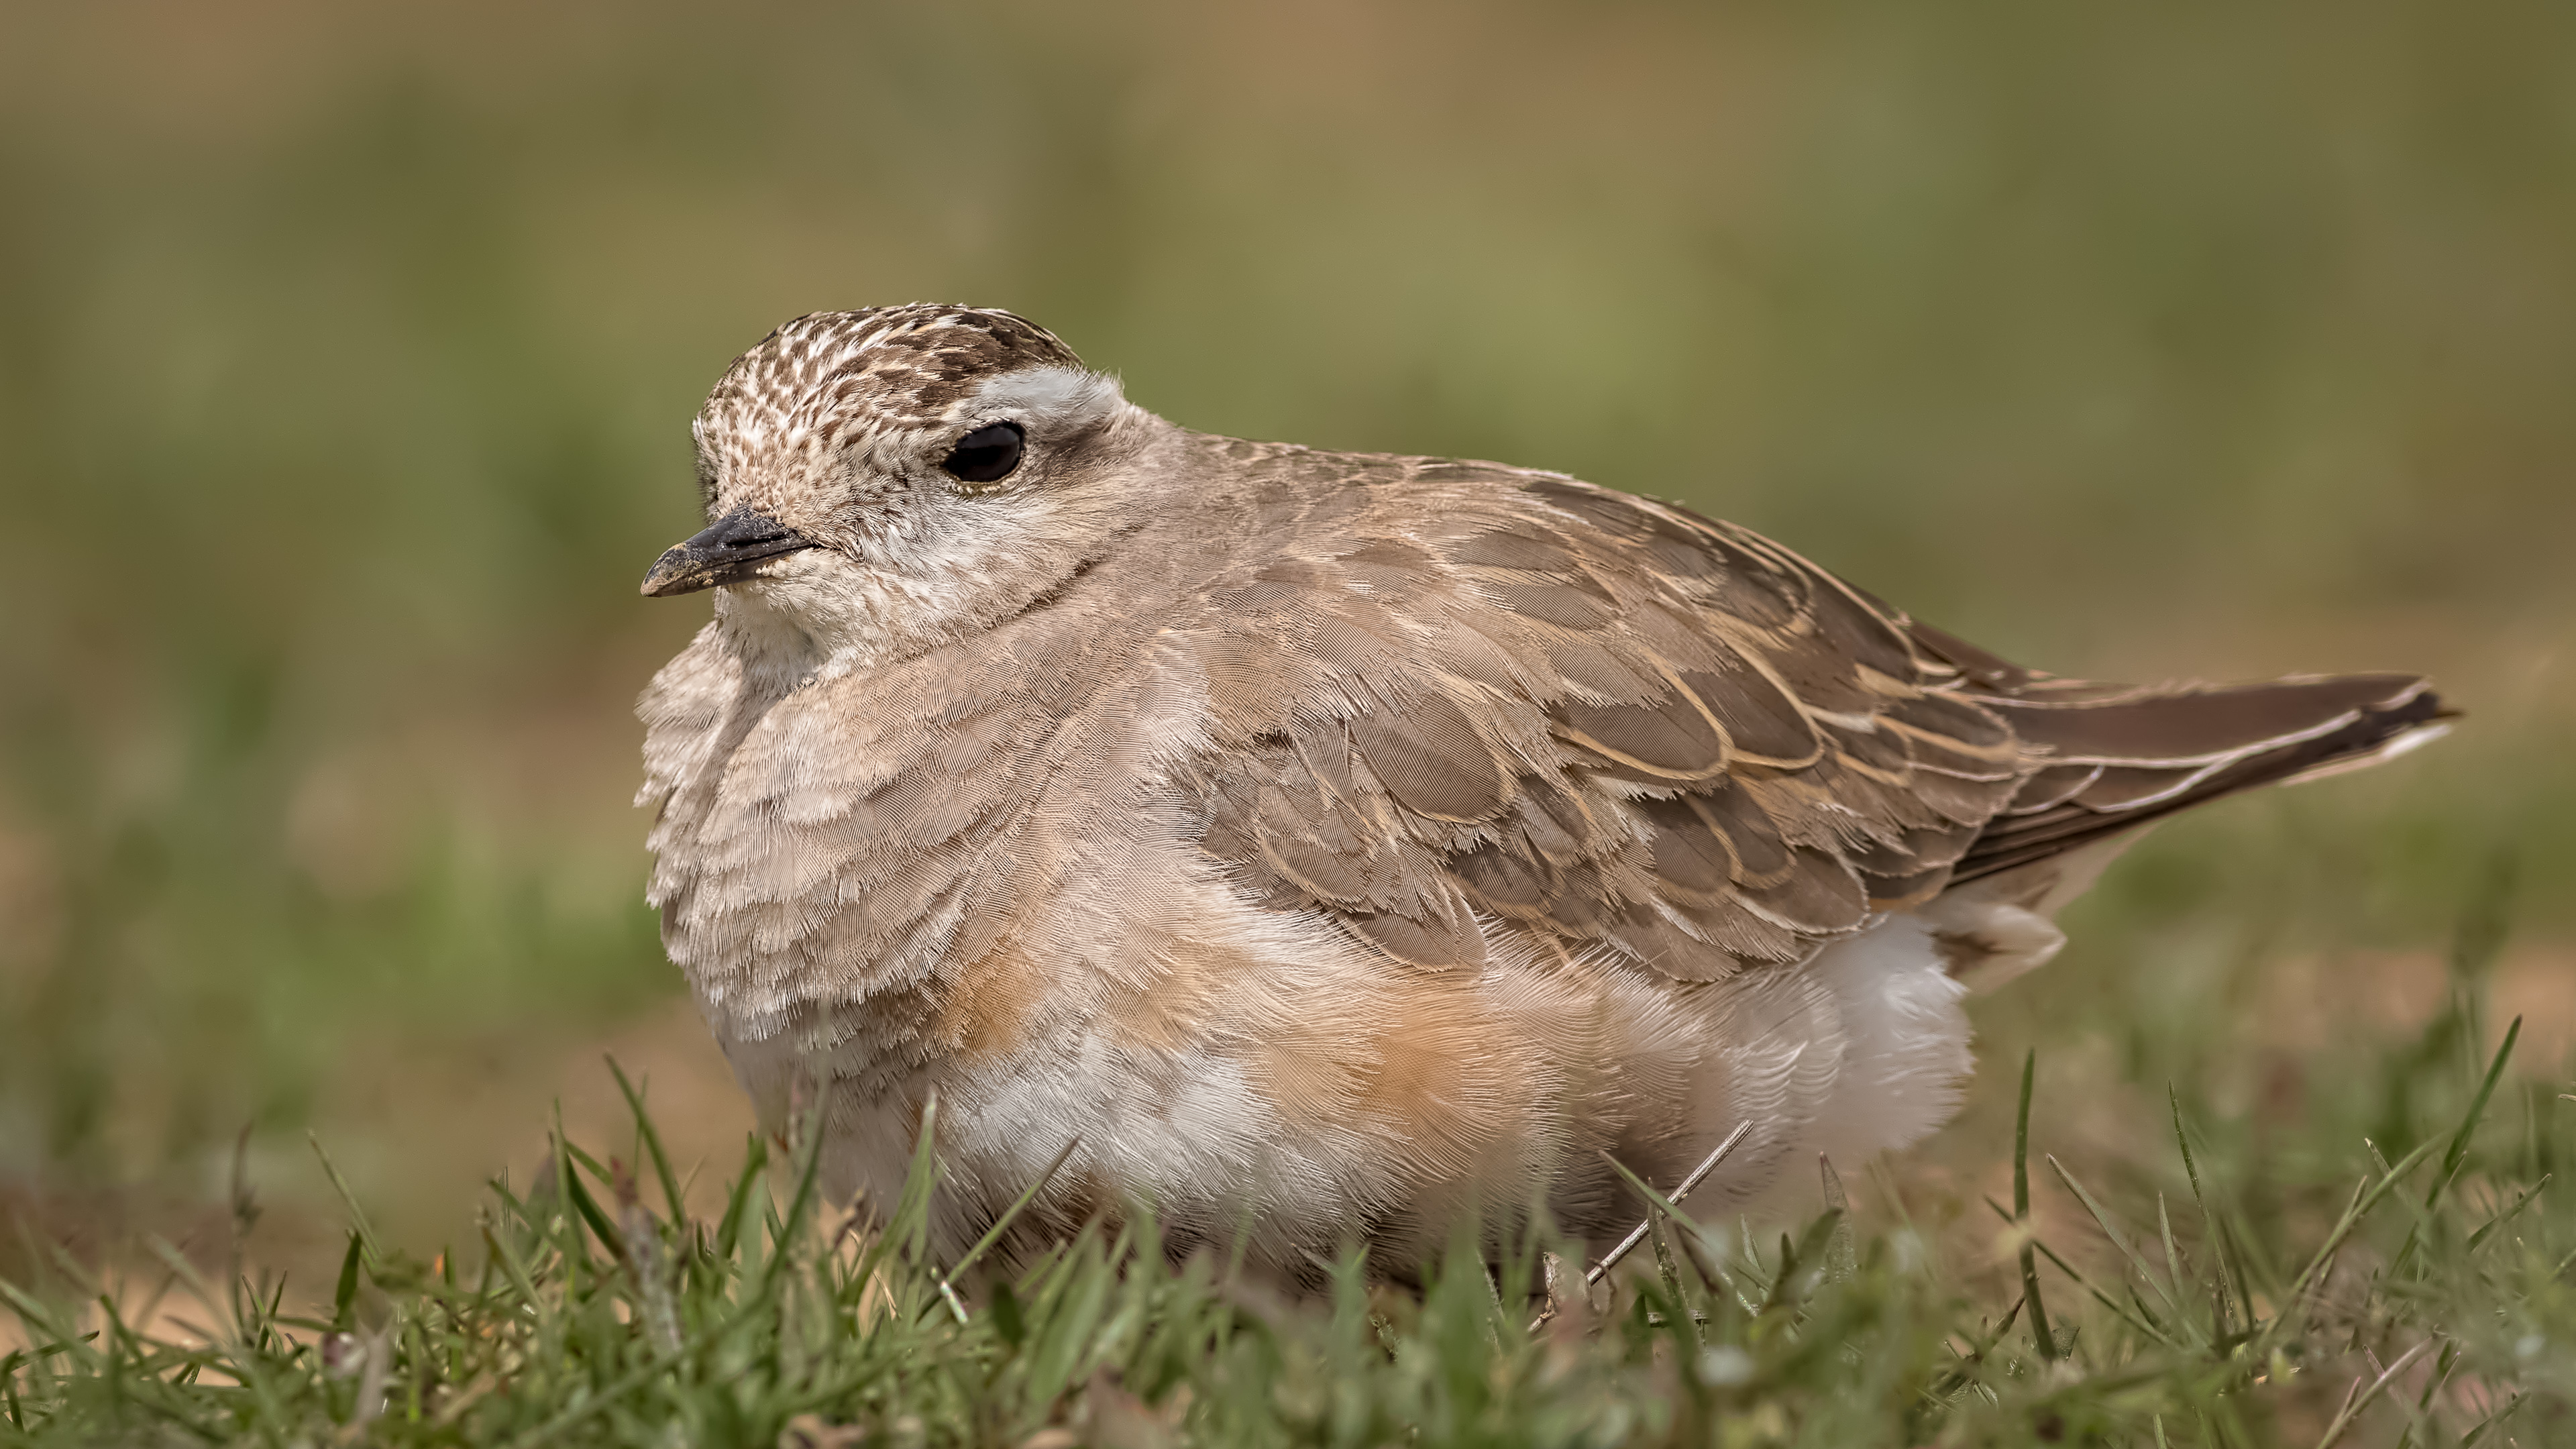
<point>2422,1301</point>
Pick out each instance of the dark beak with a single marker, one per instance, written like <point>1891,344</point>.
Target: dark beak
<point>729,549</point>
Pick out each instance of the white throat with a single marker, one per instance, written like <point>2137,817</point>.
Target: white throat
<point>820,614</point>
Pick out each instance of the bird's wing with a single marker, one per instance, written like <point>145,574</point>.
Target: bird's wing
<point>1453,705</point>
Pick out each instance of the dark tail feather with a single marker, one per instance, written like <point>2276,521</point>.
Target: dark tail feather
<point>2124,756</point>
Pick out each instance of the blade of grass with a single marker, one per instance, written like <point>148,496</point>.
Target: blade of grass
<point>344,1296</point>
<point>2031,1241</point>
<point>1658,1202</point>
<point>591,1212</point>
<point>1978,1348</point>
<point>2364,1199</point>
<point>2458,1151</point>
<point>32,1313</point>
<point>2434,1383</point>
<point>514,1266</point>
<point>562,1220</point>
<point>2232,1255</point>
<point>908,1230</point>
<point>1000,1226</point>
<point>1019,1204</point>
<point>1777,1296</point>
<point>2506,1216</point>
<point>348,1200</point>
<point>2492,1421</point>
<point>2102,1220</point>
<point>652,1142</point>
<point>809,1171</point>
<point>1843,1253</point>
<point>2173,1255</point>
<point>2021,1212</point>
<point>2354,1404</point>
<point>2231,1272</point>
<point>755,1160</point>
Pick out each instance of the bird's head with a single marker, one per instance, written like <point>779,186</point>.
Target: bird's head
<point>901,442</point>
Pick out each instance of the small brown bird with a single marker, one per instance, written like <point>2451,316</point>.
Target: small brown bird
<point>1331,844</point>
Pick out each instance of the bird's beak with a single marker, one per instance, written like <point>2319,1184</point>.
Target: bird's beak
<point>726,551</point>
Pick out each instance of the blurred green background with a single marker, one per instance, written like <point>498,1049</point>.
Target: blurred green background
<point>347,355</point>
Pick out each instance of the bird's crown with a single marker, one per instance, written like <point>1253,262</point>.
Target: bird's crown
<point>827,376</point>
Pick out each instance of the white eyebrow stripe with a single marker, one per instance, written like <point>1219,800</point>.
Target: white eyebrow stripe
<point>1051,395</point>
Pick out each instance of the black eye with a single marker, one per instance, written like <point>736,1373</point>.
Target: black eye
<point>986,455</point>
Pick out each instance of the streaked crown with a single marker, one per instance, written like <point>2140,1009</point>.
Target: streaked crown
<point>825,379</point>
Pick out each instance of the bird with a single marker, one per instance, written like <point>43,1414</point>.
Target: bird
<point>1320,850</point>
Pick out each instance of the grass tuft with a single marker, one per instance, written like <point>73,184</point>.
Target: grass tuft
<point>2435,1308</point>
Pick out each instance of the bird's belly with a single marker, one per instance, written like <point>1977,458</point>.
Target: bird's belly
<point>1381,1106</point>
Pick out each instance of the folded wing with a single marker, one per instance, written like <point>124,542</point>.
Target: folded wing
<point>1562,720</point>
<point>1568,721</point>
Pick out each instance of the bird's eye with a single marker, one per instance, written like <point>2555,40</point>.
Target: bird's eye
<point>986,455</point>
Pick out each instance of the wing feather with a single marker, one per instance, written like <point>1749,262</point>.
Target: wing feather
<point>1564,713</point>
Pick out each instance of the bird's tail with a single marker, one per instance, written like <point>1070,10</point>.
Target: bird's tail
<point>2123,755</point>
